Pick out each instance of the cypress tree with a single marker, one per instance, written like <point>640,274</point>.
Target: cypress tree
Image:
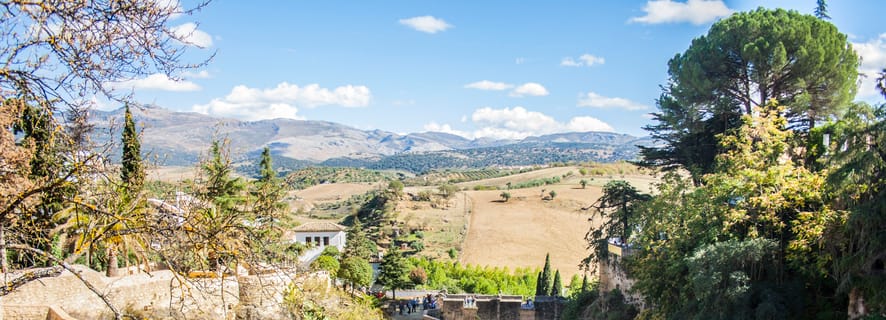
<point>557,288</point>
<point>266,170</point>
<point>584,283</point>
<point>133,172</point>
<point>539,286</point>
<point>546,277</point>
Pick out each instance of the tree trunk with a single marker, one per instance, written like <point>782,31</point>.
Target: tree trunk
<point>113,270</point>
<point>857,308</point>
<point>4,265</point>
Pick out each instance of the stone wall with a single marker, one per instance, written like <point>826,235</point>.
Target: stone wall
<point>612,277</point>
<point>158,295</point>
<point>493,307</point>
<point>548,308</point>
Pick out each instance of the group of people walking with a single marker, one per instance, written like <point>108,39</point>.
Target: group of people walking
<point>410,306</point>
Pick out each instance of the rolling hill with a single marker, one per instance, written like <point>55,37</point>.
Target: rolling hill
<point>180,138</point>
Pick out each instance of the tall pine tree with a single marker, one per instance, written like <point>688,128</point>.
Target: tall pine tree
<point>268,193</point>
<point>393,271</point>
<point>358,244</point>
<point>220,224</point>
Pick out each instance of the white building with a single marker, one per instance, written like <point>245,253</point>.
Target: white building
<point>318,235</point>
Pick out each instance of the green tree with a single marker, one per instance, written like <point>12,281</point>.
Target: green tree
<point>356,271</point>
<point>130,205</point>
<point>539,285</point>
<point>505,196</point>
<point>821,9</point>
<point>396,187</point>
<point>617,208</point>
<point>574,286</point>
<point>584,283</point>
<point>132,171</point>
<point>546,279</point>
<point>803,62</point>
<point>220,222</point>
<point>358,244</point>
<point>267,194</point>
<point>393,271</point>
<point>723,249</point>
<point>857,240</point>
<point>557,287</point>
<point>448,190</point>
<point>583,183</point>
<point>53,170</point>
<point>331,251</point>
<point>326,263</point>
<point>552,194</point>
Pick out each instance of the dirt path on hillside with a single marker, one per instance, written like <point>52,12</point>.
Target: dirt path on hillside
<point>519,232</point>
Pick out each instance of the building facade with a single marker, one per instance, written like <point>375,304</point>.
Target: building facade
<point>317,236</point>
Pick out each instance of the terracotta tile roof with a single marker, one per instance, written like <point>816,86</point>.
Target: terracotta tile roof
<point>319,227</point>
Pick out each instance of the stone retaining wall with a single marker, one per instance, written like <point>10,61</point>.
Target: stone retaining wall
<point>159,295</point>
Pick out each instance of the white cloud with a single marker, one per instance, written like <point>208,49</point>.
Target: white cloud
<point>520,60</point>
<point>529,89</point>
<point>282,101</point>
<point>594,100</point>
<point>99,103</point>
<point>202,74</point>
<point>445,128</point>
<point>157,81</point>
<point>427,24</point>
<point>519,123</point>
<point>694,11</point>
<point>873,60</point>
<point>584,60</point>
<point>489,85</point>
<point>585,123</point>
<point>189,34</point>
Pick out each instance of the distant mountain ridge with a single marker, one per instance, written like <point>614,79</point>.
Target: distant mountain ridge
<point>180,138</point>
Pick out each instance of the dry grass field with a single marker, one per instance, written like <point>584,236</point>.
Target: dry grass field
<point>519,232</point>
<point>489,232</point>
<point>334,191</point>
<point>171,174</point>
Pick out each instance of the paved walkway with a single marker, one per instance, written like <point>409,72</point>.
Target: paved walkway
<point>415,315</point>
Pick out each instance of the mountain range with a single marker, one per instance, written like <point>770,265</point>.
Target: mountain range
<point>180,138</point>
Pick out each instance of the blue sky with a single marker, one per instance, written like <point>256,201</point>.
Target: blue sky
<point>502,69</point>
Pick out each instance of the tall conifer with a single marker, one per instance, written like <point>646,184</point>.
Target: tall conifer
<point>133,171</point>
<point>546,283</point>
<point>557,288</point>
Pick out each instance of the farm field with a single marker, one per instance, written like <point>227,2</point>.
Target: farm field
<point>487,231</point>
<point>519,232</point>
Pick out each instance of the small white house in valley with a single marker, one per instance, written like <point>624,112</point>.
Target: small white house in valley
<point>317,236</point>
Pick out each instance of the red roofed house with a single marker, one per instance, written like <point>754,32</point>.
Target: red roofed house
<point>318,235</point>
